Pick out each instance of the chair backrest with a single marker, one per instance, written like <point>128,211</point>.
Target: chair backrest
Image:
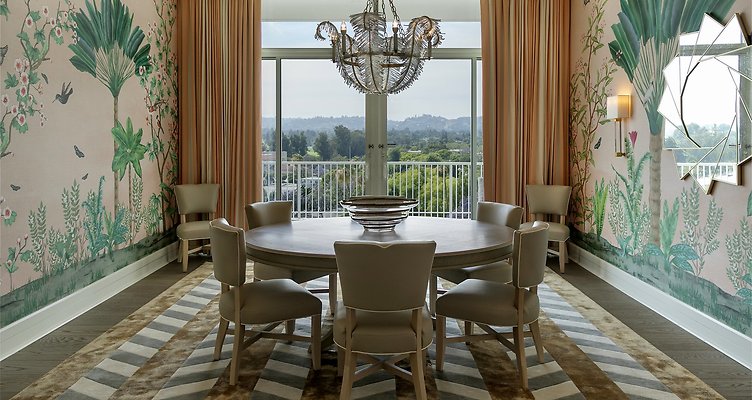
<point>548,199</point>
<point>228,252</point>
<point>384,276</point>
<point>268,213</point>
<point>529,255</point>
<point>500,214</point>
<point>198,198</point>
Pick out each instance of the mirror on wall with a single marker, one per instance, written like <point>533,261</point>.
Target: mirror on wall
<point>707,103</point>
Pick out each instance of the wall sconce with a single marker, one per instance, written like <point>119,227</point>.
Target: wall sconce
<point>618,108</point>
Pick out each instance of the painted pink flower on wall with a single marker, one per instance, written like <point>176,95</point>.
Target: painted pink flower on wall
<point>633,137</point>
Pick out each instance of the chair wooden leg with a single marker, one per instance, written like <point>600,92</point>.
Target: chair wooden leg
<point>419,381</point>
<point>535,329</point>
<point>519,344</point>
<point>223,323</point>
<point>290,326</point>
<point>340,361</point>
<point>348,375</point>
<point>236,348</point>
<point>563,256</point>
<point>180,251</point>
<point>433,294</point>
<point>316,341</point>
<point>468,330</point>
<point>184,247</point>
<point>440,341</point>
<point>332,293</point>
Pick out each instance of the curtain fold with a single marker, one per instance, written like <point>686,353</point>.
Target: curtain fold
<point>219,53</point>
<point>525,72</point>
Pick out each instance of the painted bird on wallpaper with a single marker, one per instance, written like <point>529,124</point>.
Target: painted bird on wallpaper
<point>64,94</point>
<point>78,152</point>
<point>15,188</point>
<point>598,143</point>
<point>3,52</point>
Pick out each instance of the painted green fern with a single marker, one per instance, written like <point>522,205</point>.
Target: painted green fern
<point>136,215</point>
<point>633,223</point>
<point>38,233</point>
<point>94,220</point>
<point>678,255</point>
<point>739,270</point>
<point>702,238</point>
<point>71,201</point>
<point>116,229</point>
<point>668,224</point>
<point>153,215</point>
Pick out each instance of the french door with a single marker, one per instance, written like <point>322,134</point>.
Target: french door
<point>315,165</point>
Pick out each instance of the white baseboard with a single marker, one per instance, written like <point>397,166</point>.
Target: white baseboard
<point>713,332</point>
<point>25,331</point>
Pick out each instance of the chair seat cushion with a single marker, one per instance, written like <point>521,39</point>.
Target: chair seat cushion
<point>270,301</point>
<point>381,332</point>
<point>265,271</point>
<point>496,272</point>
<point>193,230</point>
<point>556,232</point>
<point>490,303</point>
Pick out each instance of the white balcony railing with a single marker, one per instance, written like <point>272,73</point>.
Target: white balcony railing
<point>443,189</point>
<point>705,171</point>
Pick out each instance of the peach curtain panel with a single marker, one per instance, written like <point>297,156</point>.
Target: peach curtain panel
<point>525,49</point>
<point>219,53</point>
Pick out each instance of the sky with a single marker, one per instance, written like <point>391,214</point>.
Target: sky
<point>314,87</point>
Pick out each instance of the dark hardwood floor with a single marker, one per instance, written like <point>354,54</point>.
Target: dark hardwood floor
<point>727,377</point>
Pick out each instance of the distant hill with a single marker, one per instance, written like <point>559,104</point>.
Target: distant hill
<point>327,124</point>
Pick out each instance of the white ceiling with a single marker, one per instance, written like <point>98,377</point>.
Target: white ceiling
<point>337,10</point>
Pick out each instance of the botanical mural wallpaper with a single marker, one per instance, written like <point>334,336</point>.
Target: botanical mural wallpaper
<point>86,174</point>
<point>634,211</point>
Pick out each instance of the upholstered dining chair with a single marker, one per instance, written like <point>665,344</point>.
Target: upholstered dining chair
<point>500,271</point>
<point>489,303</point>
<point>194,199</point>
<point>381,315</point>
<point>554,200</point>
<point>268,302</point>
<point>280,212</point>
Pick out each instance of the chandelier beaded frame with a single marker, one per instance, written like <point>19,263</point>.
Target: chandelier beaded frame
<point>373,62</point>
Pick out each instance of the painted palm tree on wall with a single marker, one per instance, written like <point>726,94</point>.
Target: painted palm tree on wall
<point>109,48</point>
<point>646,40</point>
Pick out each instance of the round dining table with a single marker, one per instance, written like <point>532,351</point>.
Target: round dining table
<point>309,243</point>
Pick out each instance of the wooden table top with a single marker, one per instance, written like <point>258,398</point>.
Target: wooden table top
<point>309,243</point>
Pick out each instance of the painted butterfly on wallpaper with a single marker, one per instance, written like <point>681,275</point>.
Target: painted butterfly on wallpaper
<point>598,143</point>
<point>78,151</point>
<point>15,187</point>
<point>3,52</point>
<point>64,94</point>
<point>83,178</point>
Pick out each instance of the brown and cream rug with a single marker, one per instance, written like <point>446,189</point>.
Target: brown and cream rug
<point>164,351</point>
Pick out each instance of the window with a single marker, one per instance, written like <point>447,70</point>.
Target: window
<point>322,121</point>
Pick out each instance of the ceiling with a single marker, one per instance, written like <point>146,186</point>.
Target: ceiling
<point>337,10</point>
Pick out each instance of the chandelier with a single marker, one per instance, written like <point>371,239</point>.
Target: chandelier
<point>372,61</point>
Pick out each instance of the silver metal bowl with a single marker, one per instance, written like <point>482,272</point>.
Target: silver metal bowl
<point>378,213</point>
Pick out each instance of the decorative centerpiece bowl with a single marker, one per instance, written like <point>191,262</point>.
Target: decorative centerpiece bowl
<point>378,213</point>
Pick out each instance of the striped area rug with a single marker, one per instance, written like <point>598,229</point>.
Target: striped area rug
<point>167,354</point>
